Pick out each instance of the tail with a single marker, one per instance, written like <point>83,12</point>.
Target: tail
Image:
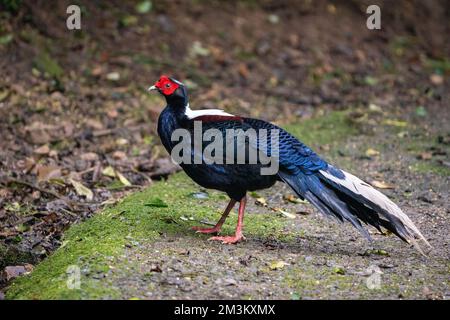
<point>341,195</point>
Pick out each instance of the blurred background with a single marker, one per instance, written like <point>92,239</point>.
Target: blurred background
<point>77,126</point>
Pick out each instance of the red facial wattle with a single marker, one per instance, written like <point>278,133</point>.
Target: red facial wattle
<point>166,86</point>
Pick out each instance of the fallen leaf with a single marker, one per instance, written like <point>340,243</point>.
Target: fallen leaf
<point>121,142</point>
<point>82,190</point>
<point>293,199</point>
<point>371,81</point>
<point>425,156</point>
<point>156,202</point>
<point>261,201</point>
<point>4,94</point>
<point>144,6</point>
<point>43,150</point>
<point>273,18</point>
<point>94,124</point>
<point>119,155</point>
<point>372,152</point>
<point>197,49</point>
<point>7,38</point>
<point>243,70</point>
<point>113,76</point>
<point>421,111</point>
<point>46,173</point>
<point>89,156</point>
<point>395,123</point>
<point>436,79</point>
<point>277,265</point>
<point>375,108</point>
<point>109,172</point>
<point>285,213</point>
<point>122,179</point>
<point>381,185</point>
<point>339,270</point>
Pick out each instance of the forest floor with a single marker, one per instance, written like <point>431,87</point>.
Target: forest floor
<point>143,248</point>
<point>77,132</point>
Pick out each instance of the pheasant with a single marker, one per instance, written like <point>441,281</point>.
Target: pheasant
<point>334,192</point>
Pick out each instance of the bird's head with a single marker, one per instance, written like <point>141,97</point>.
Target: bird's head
<point>167,86</point>
<point>173,90</point>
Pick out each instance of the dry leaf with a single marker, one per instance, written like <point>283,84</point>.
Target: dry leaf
<point>277,265</point>
<point>119,155</point>
<point>293,199</point>
<point>43,150</point>
<point>395,123</point>
<point>285,213</point>
<point>261,201</point>
<point>122,179</point>
<point>46,173</point>
<point>372,152</point>
<point>381,185</point>
<point>436,79</point>
<point>109,172</point>
<point>82,190</point>
<point>89,156</point>
<point>425,156</point>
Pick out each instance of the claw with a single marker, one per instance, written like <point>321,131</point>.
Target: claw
<point>228,239</point>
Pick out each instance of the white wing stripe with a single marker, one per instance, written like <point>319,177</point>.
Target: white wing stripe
<point>207,112</point>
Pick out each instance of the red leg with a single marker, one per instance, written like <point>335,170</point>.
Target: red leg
<point>238,234</point>
<point>219,224</point>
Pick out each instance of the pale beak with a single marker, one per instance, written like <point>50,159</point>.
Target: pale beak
<point>152,88</point>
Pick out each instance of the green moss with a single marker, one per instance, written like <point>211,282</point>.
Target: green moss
<point>45,63</point>
<point>318,131</point>
<point>93,245</point>
<point>431,167</point>
<point>421,142</point>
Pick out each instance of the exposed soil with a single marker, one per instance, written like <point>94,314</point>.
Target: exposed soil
<point>325,260</point>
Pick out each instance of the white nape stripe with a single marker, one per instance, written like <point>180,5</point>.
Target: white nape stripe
<point>360,187</point>
<point>207,112</point>
<point>177,82</point>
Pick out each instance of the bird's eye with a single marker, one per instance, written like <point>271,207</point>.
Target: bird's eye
<point>168,85</point>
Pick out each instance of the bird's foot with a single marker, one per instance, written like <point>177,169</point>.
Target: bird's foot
<point>228,239</point>
<point>206,230</point>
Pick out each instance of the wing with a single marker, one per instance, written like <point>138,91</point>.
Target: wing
<point>294,156</point>
<point>252,135</point>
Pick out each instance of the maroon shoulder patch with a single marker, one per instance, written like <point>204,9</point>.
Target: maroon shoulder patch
<point>212,118</point>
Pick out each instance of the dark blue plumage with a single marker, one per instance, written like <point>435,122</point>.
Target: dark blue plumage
<point>332,191</point>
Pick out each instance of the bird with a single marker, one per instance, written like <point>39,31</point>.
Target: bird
<point>332,191</point>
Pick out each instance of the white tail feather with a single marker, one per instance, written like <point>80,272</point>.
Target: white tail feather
<point>357,186</point>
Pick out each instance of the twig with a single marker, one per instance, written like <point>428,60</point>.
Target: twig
<point>33,186</point>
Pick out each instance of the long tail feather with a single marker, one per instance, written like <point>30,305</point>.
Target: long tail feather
<point>341,195</point>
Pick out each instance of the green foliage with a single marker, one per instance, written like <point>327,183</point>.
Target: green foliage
<point>11,5</point>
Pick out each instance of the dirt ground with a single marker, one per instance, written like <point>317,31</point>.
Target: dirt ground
<point>324,260</point>
<point>74,110</point>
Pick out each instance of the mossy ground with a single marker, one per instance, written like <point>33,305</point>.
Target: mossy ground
<point>116,250</point>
